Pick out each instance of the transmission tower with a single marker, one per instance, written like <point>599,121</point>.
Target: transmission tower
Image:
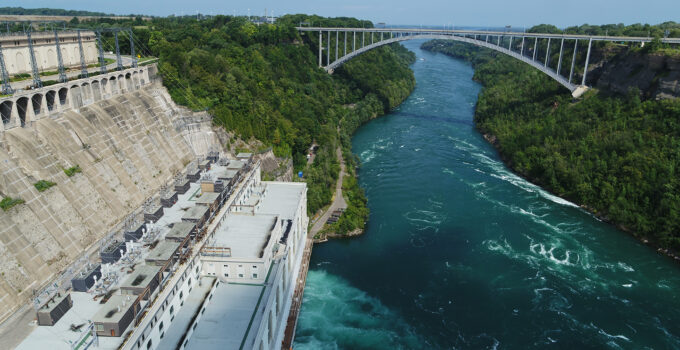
<point>6,85</point>
<point>62,73</point>
<point>34,65</point>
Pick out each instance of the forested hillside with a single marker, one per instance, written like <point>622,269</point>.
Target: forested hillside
<point>263,82</point>
<point>616,155</point>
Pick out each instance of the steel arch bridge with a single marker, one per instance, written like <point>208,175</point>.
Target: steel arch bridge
<point>503,42</point>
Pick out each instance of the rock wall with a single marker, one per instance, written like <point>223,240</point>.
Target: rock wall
<point>127,147</point>
<point>656,75</point>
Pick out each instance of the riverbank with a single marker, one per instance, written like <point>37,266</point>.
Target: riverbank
<point>455,236</point>
<point>612,155</point>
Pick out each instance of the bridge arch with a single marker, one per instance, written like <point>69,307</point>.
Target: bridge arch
<point>63,95</point>
<point>36,102</point>
<point>22,110</point>
<point>536,64</point>
<point>50,98</point>
<point>6,111</point>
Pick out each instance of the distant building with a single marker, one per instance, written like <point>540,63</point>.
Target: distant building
<point>18,58</point>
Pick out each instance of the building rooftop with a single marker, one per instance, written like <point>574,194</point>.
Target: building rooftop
<point>141,276</point>
<point>227,174</point>
<point>195,213</point>
<point>245,234</point>
<point>163,251</point>
<point>282,198</point>
<point>236,164</point>
<point>207,198</point>
<point>110,312</point>
<point>224,324</point>
<point>180,230</point>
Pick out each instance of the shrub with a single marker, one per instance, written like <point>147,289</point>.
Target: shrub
<point>8,202</point>
<point>73,170</point>
<point>43,185</point>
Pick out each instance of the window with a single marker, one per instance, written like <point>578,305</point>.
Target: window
<point>254,275</point>
<point>194,327</point>
<point>162,335</point>
<point>172,309</point>
<point>240,275</point>
<point>172,318</point>
<point>181,295</point>
<point>148,345</point>
<point>254,266</point>
<point>226,274</point>
<point>160,326</point>
<point>203,311</point>
<point>100,327</point>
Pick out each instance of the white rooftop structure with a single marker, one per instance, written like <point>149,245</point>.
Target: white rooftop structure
<point>245,234</point>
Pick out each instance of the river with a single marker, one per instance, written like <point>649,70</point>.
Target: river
<point>460,252</point>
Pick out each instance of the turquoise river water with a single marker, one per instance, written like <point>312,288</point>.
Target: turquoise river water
<point>461,253</point>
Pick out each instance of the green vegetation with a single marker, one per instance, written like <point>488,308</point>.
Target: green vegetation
<point>73,170</point>
<point>263,82</point>
<point>43,185</point>
<point>8,202</point>
<point>48,12</point>
<point>616,155</point>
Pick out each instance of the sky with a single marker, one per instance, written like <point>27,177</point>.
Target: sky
<point>518,13</point>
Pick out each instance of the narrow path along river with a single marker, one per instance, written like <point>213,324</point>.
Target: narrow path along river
<point>461,253</point>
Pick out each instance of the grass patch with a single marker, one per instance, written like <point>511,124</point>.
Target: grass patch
<point>73,170</point>
<point>43,185</point>
<point>8,202</point>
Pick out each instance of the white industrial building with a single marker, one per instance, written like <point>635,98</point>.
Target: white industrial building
<point>230,288</point>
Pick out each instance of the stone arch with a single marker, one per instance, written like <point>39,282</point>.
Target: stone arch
<point>96,91</point>
<point>20,62</point>
<point>114,85</point>
<point>76,96</point>
<point>86,92</point>
<point>104,85</point>
<point>135,79</point>
<point>50,97</point>
<point>65,58</point>
<point>128,82</point>
<point>22,109</point>
<point>121,82</point>
<point>51,59</point>
<point>63,95</point>
<point>36,102</point>
<point>6,111</point>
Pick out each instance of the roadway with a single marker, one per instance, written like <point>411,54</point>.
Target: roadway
<point>460,32</point>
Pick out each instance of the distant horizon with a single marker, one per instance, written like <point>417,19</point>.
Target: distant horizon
<point>491,13</point>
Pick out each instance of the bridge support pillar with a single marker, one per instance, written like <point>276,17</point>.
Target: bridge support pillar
<point>573,61</point>
<point>328,49</point>
<point>336,44</point>
<point>354,41</point>
<point>535,47</point>
<point>510,44</point>
<point>547,54</point>
<point>585,70</point>
<point>499,41</point>
<point>521,49</point>
<point>320,46</point>
<point>559,62</point>
<point>344,46</point>
<point>363,39</point>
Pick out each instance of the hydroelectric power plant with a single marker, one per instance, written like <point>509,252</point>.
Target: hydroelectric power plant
<point>145,233</point>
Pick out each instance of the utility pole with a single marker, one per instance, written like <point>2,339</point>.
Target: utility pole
<point>6,85</point>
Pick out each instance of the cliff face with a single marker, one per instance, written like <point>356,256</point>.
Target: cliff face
<point>656,75</point>
<point>127,147</point>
